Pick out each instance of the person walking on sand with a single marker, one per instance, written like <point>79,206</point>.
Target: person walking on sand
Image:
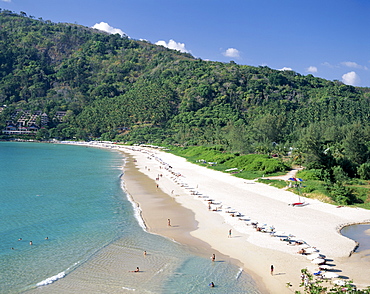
<point>230,233</point>
<point>272,270</point>
<point>213,257</point>
<point>169,222</point>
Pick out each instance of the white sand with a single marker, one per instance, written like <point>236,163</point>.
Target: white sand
<point>317,223</point>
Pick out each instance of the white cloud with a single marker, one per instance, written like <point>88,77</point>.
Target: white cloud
<point>353,65</point>
<point>173,45</point>
<point>103,26</point>
<point>328,64</point>
<point>6,1</point>
<point>312,69</point>
<point>351,78</point>
<point>232,52</point>
<point>285,68</point>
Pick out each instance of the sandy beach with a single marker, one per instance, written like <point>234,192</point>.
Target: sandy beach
<point>205,224</point>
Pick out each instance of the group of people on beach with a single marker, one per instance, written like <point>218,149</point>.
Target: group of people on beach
<point>211,204</point>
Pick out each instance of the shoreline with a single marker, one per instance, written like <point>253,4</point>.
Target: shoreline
<point>180,231</point>
<point>151,212</point>
<point>254,250</point>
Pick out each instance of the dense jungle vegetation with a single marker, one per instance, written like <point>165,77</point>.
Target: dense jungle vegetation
<point>116,88</point>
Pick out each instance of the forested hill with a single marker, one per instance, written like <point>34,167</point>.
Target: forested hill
<point>113,87</point>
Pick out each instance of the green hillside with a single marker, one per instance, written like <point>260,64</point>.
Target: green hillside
<point>60,80</point>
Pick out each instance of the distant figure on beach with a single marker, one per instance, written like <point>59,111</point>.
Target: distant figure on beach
<point>272,270</point>
<point>157,186</point>
<point>211,284</point>
<point>135,271</point>
<point>144,253</point>
<point>230,233</point>
<point>213,257</point>
<point>302,251</point>
<point>31,243</point>
<point>306,281</point>
<point>169,222</point>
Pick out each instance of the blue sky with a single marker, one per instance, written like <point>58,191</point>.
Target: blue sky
<point>326,38</point>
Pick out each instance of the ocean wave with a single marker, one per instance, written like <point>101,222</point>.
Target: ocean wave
<point>130,289</point>
<point>51,279</point>
<point>239,273</point>
<point>136,207</point>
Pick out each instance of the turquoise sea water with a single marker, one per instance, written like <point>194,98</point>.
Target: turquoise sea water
<point>69,201</point>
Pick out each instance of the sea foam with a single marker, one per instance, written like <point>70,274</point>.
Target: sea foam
<point>137,209</point>
<point>239,273</point>
<point>51,279</point>
<point>130,289</point>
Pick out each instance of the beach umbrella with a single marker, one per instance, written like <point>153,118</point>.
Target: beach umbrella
<point>314,256</point>
<point>330,275</point>
<point>280,234</point>
<point>311,250</point>
<point>325,267</point>
<point>318,260</point>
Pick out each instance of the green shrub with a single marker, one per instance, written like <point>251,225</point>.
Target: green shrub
<point>314,174</point>
<point>364,171</point>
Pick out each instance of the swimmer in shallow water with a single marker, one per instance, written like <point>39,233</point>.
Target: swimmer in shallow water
<point>135,271</point>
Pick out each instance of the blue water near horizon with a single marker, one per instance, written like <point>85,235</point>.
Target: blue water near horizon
<point>68,200</point>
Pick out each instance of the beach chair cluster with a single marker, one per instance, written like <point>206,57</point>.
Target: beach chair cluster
<point>322,269</point>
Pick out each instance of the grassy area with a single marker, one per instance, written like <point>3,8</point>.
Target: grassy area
<point>275,183</point>
<point>246,166</point>
<point>363,193</point>
<point>255,166</point>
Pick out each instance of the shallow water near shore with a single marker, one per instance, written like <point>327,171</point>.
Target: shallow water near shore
<point>359,233</point>
<point>68,200</point>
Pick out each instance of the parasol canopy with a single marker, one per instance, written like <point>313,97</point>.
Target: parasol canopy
<point>330,275</point>
<point>318,260</point>
<point>311,250</point>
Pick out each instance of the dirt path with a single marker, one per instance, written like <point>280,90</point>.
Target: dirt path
<point>291,174</point>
